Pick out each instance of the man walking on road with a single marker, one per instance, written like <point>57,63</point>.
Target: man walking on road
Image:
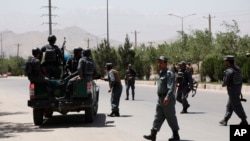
<point>130,81</point>
<point>185,85</point>
<point>233,81</point>
<point>165,107</point>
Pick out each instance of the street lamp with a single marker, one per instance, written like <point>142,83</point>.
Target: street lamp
<point>181,17</point>
<point>108,22</point>
<point>1,45</point>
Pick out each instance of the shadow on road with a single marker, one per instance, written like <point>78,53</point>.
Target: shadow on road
<point>76,120</point>
<point>8,129</point>
<point>196,113</point>
<point>126,116</point>
<point>8,113</point>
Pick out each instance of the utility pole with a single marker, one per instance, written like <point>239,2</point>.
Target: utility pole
<point>135,37</point>
<point>50,19</point>
<point>88,40</point>
<point>50,16</point>
<point>151,42</point>
<point>1,45</point>
<point>209,22</point>
<point>182,18</point>
<point>18,47</point>
<point>108,22</point>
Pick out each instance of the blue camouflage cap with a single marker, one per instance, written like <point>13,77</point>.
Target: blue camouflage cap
<point>229,58</point>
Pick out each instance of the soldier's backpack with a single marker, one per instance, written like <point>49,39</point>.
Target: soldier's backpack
<point>88,66</point>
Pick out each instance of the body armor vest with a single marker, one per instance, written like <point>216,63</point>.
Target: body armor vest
<point>88,66</point>
<point>117,76</point>
<point>50,54</point>
<point>237,79</point>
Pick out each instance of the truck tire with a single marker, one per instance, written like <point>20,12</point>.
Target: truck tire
<point>89,114</point>
<point>48,113</point>
<point>38,116</point>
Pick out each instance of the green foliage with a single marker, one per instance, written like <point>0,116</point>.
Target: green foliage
<point>207,68</point>
<point>104,54</point>
<point>198,47</point>
<point>126,56</point>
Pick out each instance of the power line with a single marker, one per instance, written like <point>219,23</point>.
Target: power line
<point>151,42</point>
<point>18,48</point>
<point>88,40</point>
<point>209,22</point>
<point>50,15</point>
<point>135,33</point>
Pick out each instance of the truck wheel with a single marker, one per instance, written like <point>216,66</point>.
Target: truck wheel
<point>89,114</point>
<point>96,109</point>
<point>48,114</point>
<point>38,116</point>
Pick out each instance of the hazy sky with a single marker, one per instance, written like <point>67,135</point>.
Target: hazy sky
<point>149,17</point>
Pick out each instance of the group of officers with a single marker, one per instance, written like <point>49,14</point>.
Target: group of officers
<point>78,67</point>
<point>165,107</point>
<point>42,69</point>
<point>166,89</point>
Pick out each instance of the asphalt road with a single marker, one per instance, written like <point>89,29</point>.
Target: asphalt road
<point>200,124</point>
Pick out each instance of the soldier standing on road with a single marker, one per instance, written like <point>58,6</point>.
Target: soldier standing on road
<point>233,81</point>
<point>165,108</point>
<point>185,84</point>
<point>130,81</point>
<point>53,58</point>
<point>115,87</point>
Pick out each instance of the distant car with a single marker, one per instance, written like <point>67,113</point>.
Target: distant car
<point>85,98</point>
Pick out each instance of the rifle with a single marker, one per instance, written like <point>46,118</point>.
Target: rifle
<point>242,99</point>
<point>195,86</point>
<point>62,50</point>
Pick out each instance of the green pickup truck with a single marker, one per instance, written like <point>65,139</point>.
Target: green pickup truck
<point>85,98</point>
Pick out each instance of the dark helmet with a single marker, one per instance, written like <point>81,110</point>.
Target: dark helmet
<point>52,38</point>
<point>87,53</point>
<point>36,51</point>
<point>77,50</point>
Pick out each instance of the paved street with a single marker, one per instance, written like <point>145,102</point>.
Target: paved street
<point>200,124</point>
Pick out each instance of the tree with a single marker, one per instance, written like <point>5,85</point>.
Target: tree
<point>126,56</point>
<point>227,43</point>
<point>199,45</point>
<point>104,54</point>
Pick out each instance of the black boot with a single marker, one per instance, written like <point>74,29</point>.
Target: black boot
<point>184,111</point>
<point>243,122</point>
<point>114,114</point>
<point>152,136</point>
<point>175,136</point>
<point>117,114</point>
<point>223,122</point>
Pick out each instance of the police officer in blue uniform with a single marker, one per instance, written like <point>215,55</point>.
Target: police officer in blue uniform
<point>233,81</point>
<point>115,87</point>
<point>165,107</point>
